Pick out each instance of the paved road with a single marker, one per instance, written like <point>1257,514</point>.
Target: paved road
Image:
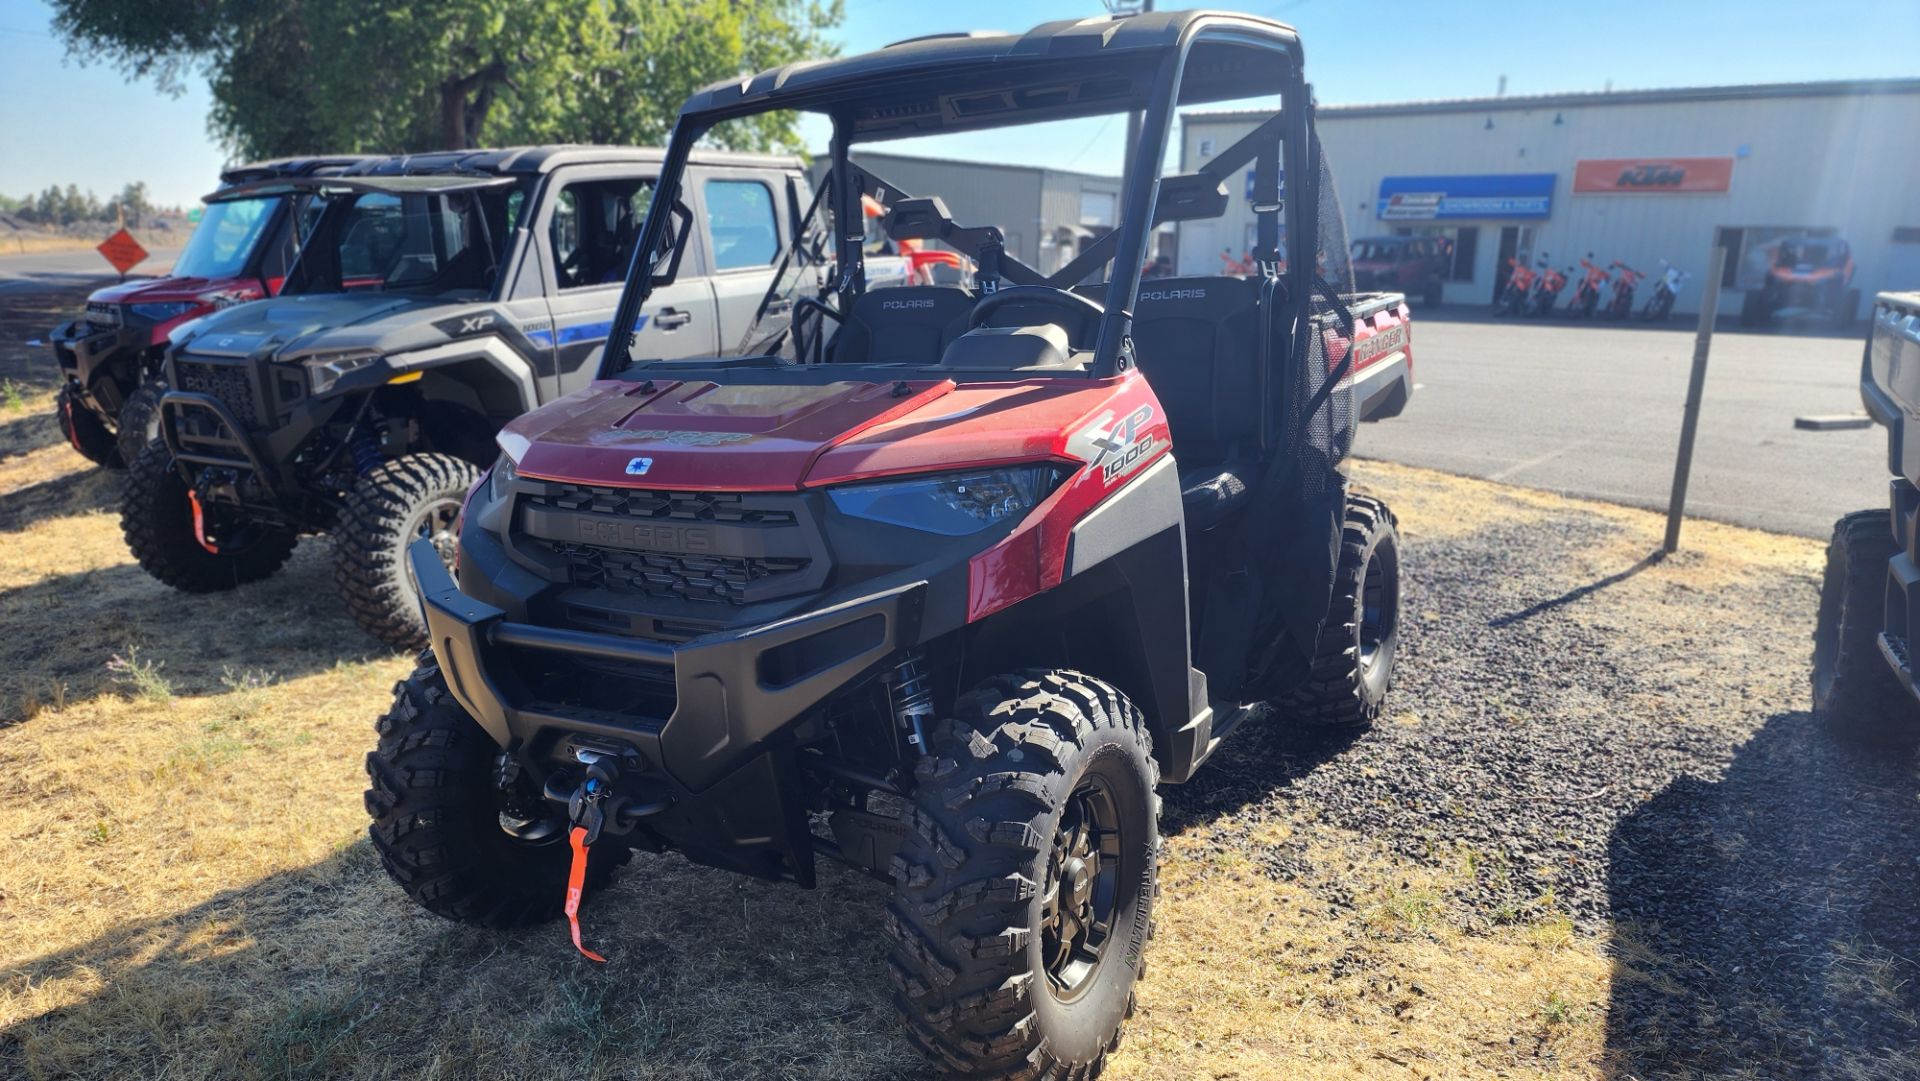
<point>41,271</point>
<point>1595,411</point>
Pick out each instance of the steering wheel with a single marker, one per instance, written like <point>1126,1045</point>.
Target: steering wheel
<point>1082,308</point>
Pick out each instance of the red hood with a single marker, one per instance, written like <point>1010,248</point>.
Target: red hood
<point>698,435</point>
<point>160,290</point>
<point>701,435</point>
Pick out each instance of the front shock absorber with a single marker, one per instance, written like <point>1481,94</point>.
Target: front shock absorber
<point>365,449</point>
<point>910,693</point>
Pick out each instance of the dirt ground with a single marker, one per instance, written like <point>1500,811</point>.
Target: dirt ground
<point>1598,836</point>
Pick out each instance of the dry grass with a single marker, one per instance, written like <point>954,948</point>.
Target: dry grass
<point>191,894</point>
<point>15,242</point>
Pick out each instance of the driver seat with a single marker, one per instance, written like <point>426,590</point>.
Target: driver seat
<point>1198,342</point>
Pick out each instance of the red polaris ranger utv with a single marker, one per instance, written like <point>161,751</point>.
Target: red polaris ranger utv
<point>111,358</point>
<point>935,582</point>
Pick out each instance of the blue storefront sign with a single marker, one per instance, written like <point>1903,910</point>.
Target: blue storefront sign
<point>1443,198</point>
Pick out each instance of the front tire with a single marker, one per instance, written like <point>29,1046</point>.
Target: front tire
<point>157,518</point>
<point>1854,692</point>
<point>439,817</point>
<point>1023,893</point>
<point>410,498</point>
<point>139,420</point>
<point>1353,660</point>
<point>84,431</point>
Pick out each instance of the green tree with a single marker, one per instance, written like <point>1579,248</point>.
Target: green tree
<point>305,76</point>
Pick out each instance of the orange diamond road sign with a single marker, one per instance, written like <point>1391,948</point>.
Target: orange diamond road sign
<point>122,251</point>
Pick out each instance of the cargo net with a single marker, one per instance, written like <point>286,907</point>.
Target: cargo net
<point>1319,405</point>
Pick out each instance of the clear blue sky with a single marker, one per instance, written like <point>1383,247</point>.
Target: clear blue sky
<point>63,122</point>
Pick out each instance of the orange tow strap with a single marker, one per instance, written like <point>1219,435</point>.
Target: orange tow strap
<point>73,434</point>
<point>200,523</point>
<point>576,884</point>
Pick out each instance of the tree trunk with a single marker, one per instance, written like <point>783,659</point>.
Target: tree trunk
<point>461,119</point>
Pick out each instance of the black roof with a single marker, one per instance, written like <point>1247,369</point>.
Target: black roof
<point>533,160</point>
<point>312,165</point>
<point>1068,68</point>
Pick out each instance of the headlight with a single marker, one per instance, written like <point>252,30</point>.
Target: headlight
<point>951,504</point>
<point>324,372</point>
<point>504,473</point>
<point>160,313</point>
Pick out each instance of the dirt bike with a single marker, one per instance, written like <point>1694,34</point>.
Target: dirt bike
<point>1620,305</point>
<point>1519,283</point>
<point>1666,288</point>
<point>1547,290</point>
<point>1586,295</point>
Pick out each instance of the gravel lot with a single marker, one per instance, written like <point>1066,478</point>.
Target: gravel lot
<point>1597,835</point>
<point>1627,740</point>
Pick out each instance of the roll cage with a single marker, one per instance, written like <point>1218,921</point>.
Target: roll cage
<point>1149,64</point>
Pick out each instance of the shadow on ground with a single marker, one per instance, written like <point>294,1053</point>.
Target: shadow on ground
<point>328,971</point>
<point>287,626</point>
<point>1767,924</point>
<point>1259,760</point>
<point>58,497</point>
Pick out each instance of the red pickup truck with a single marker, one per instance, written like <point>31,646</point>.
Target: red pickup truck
<point>1414,265</point>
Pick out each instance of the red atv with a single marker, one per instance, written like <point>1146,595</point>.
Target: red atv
<point>1809,275</point>
<point>935,582</point>
<point>111,358</point>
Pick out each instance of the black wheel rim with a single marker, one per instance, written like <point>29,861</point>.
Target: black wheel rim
<point>1082,890</point>
<point>1378,608</point>
<point>433,522</point>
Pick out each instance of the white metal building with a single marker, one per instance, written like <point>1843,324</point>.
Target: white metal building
<point>1638,176</point>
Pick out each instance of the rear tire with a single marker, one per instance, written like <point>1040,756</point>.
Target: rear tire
<point>157,520</point>
<point>140,420</point>
<point>1353,660</point>
<point>84,431</point>
<point>1855,694</point>
<point>437,815</point>
<point>413,497</point>
<point>1035,819</point>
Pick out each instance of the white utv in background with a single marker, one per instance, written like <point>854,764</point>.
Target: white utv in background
<point>440,296</point>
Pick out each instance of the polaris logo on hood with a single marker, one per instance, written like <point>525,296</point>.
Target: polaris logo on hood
<point>637,467</point>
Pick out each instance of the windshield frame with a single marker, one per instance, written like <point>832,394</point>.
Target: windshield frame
<point>261,240</point>
<point>319,252</point>
<point>1166,68</point>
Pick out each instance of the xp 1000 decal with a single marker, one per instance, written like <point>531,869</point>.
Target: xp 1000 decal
<point>1117,447</point>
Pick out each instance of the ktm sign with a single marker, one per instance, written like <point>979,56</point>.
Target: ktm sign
<point>1615,175</point>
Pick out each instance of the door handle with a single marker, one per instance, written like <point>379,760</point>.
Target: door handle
<point>780,307</point>
<point>672,318</point>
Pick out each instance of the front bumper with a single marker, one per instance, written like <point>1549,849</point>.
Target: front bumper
<point>712,755</point>
<point>725,697</point>
<point>103,362</point>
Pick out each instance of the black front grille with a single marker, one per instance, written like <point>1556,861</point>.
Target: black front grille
<point>669,506</point>
<point>227,382</point>
<point>705,579</point>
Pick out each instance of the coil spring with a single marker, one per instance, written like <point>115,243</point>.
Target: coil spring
<point>366,451</point>
<point>911,693</point>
